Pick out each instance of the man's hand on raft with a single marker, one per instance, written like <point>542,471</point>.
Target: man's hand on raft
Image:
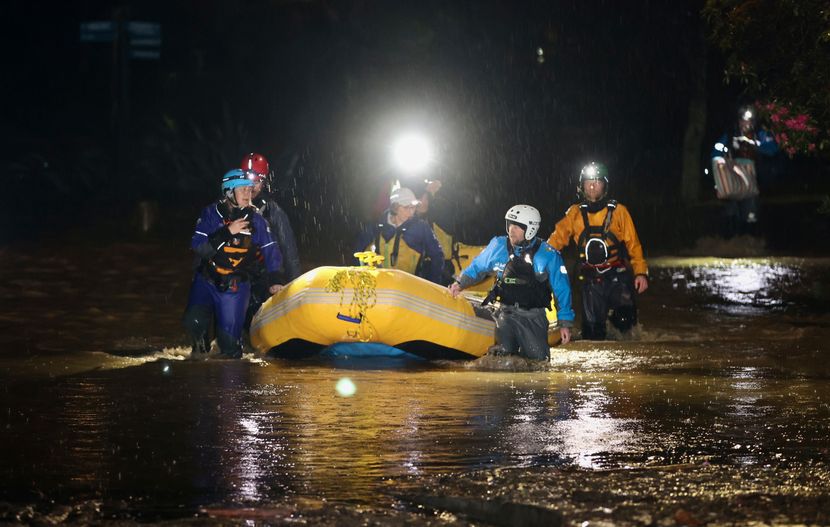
<point>454,289</point>
<point>276,288</point>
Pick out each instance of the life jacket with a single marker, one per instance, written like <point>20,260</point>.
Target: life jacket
<point>518,284</point>
<point>598,247</point>
<point>397,254</point>
<point>233,257</point>
<point>445,239</point>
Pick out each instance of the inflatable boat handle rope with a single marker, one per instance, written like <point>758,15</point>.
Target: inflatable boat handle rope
<point>364,296</point>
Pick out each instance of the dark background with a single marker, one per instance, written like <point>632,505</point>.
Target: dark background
<point>321,88</point>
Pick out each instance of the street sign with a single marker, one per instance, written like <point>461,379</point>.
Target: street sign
<point>143,38</point>
<point>144,30</point>
<point>98,31</point>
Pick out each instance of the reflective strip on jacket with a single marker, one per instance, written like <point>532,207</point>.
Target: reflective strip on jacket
<point>207,238</point>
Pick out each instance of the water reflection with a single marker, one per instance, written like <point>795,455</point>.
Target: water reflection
<point>762,282</point>
<point>432,423</point>
<point>86,409</point>
<point>588,356</point>
<point>699,382</point>
<point>245,433</point>
<point>747,388</point>
<point>595,429</point>
<point>250,445</point>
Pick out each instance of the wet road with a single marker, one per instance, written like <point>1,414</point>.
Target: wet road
<point>105,417</point>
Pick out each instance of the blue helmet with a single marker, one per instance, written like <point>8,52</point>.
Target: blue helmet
<point>237,178</point>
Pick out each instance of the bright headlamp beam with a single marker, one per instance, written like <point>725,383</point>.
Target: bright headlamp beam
<point>412,153</point>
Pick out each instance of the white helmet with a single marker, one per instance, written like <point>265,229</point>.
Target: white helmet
<point>526,216</point>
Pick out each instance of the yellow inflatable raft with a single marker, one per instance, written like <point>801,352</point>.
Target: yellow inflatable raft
<point>462,255</point>
<point>331,305</point>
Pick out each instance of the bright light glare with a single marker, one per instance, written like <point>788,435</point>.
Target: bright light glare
<point>345,387</point>
<point>591,171</point>
<point>412,153</point>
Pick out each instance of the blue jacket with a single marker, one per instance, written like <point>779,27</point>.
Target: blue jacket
<point>547,264</point>
<point>211,234</point>
<point>416,234</point>
<point>729,144</point>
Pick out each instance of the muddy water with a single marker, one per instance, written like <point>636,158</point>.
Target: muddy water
<point>106,417</point>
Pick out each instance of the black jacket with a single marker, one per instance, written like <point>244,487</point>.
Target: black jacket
<point>281,231</point>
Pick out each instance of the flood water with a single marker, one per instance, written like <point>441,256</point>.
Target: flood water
<point>105,417</point>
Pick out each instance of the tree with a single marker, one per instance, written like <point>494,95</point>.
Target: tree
<point>778,50</point>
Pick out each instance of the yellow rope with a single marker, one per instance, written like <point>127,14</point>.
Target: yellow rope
<point>369,258</point>
<point>364,296</point>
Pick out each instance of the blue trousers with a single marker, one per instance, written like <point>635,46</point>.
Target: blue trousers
<point>204,303</point>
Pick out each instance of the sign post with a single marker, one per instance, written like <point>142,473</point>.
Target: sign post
<point>129,40</point>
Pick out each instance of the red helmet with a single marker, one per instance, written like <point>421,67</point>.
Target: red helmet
<point>256,163</point>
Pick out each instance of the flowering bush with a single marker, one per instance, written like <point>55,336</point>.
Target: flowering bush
<point>795,132</point>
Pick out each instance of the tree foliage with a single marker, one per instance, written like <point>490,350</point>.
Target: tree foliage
<point>778,50</point>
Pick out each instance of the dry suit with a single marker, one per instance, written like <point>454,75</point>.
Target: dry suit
<point>741,209</point>
<point>221,285</point>
<point>610,255</point>
<point>282,233</point>
<point>526,275</point>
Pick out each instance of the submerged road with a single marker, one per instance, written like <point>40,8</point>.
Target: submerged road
<point>716,411</point>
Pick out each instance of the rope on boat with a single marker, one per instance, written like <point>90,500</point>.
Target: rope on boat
<point>363,282</point>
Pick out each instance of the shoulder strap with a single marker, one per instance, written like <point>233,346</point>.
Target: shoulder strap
<point>497,284</point>
<point>377,238</point>
<point>500,279</point>
<point>583,208</point>
<point>534,248</point>
<point>393,258</point>
<point>612,206</point>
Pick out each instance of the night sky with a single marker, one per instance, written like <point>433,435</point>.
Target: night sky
<point>321,88</point>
